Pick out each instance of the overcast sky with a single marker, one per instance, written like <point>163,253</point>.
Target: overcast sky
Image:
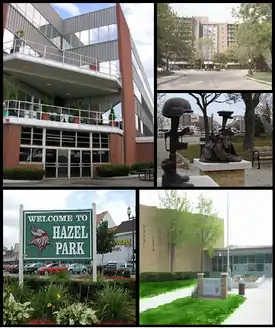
<point>217,12</point>
<point>115,202</point>
<point>250,213</point>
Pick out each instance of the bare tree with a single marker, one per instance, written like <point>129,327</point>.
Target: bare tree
<point>264,109</point>
<point>161,120</point>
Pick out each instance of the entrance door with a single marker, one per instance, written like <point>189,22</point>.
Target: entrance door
<point>62,163</point>
<point>75,163</point>
<point>86,164</point>
<point>50,163</point>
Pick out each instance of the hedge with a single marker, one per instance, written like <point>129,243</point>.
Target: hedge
<point>142,165</point>
<point>85,290</point>
<point>23,173</point>
<point>168,276</point>
<point>112,170</point>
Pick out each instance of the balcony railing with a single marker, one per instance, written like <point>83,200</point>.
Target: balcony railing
<point>30,110</point>
<point>35,49</point>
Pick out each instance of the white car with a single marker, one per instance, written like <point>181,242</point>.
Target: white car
<point>159,69</point>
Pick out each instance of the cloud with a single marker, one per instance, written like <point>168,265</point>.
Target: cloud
<point>70,8</point>
<point>113,201</point>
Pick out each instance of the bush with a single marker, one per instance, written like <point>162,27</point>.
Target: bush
<point>15,312</point>
<point>113,304</point>
<point>157,276</point>
<point>82,290</point>
<point>23,173</point>
<point>112,170</point>
<point>76,314</point>
<point>142,165</point>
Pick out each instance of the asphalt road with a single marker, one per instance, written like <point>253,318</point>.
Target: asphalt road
<point>209,80</point>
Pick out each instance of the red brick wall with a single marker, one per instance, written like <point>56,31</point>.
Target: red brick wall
<point>11,145</point>
<point>145,152</point>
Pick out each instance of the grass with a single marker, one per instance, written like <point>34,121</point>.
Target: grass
<point>164,73</point>
<point>188,311</point>
<point>149,289</point>
<point>193,150</point>
<point>264,76</point>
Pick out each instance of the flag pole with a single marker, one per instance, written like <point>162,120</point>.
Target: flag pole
<point>21,244</point>
<point>228,262</point>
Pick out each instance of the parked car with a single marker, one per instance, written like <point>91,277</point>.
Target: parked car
<point>13,268</point>
<point>32,268</point>
<point>116,268</point>
<point>52,268</point>
<point>77,269</point>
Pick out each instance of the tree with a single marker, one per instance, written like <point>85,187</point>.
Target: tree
<point>220,58</point>
<point>255,30</point>
<point>105,239</point>
<point>203,101</point>
<point>161,98</point>
<point>208,227</point>
<point>175,220</point>
<point>264,109</point>
<point>259,127</point>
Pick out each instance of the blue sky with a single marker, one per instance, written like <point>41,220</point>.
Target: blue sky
<point>83,8</point>
<point>115,202</point>
<point>237,107</point>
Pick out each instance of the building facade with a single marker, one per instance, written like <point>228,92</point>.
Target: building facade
<point>60,77</point>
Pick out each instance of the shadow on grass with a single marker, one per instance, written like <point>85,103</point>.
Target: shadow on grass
<point>192,311</point>
<point>164,73</point>
<point>149,289</point>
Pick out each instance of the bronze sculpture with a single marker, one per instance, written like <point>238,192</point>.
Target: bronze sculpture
<point>220,147</point>
<point>173,109</point>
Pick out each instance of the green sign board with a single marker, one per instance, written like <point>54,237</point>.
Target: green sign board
<point>57,235</point>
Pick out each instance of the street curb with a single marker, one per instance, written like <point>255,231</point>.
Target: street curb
<point>13,181</point>
<point>118,177</point>
<point>257,80</point>
<point>169,80</point>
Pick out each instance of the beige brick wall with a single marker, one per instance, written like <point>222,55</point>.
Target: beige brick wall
<point>154,250</point>
<point>226,177</point>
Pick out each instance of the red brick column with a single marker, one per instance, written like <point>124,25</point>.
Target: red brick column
<point>5,15</point>
<point>128,102</point>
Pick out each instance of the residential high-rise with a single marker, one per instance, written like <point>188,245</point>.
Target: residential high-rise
<point>65,75</point>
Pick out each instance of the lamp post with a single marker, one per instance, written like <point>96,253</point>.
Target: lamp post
<point>129,212</point>
<point>228,246</point>
<point>250,70</point>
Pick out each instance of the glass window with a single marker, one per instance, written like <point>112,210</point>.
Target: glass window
<point>259,258</point>
<point>96,140</point>
<point>104,141</point>
<point>25,154</point>
<point>112,32</point>
<point>83,140</point>
<point>21,7</point>
<point>103,34</point>
<point>37,138</point>
<point>85,37</point>
<point>94,36</point>
<point>268,258</point>
<point>137,92</point>
<point>251,259</point>
<point>141,126</point>
<point>101,156</point>
<point>37,154</point>
<point>68,138</point>
<point>36,18</point>
<point>26,134</point>
<point>53,137</point>
<point>29,12</point>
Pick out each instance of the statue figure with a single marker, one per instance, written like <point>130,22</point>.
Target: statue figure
<point>173,109</point>
<point>220,147</point>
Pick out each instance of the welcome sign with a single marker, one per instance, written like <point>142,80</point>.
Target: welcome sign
<point>57,235</point>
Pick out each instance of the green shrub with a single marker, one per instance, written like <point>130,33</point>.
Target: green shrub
<point>157,276</point>
<point>15,312</point>
<point>21,293</point>
<point>113,170</point>
<point>114,304</point>
<point>76,314</point>
<point>142,165</point>
<point>23,173</point>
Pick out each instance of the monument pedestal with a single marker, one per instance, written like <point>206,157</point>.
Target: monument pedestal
<point>224,173</point>
<point>197,181</point>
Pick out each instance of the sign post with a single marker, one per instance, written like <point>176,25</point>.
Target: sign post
<point>94,258</point>
<point>21,246</point>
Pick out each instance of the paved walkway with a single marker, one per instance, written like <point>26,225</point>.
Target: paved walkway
<point>169,297</point>
<point>257,309</point>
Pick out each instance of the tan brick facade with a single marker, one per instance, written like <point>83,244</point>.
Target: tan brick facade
<point>226,177</point>
<point>154,248</point>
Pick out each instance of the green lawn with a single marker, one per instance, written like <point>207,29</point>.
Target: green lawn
<point>265,76</point>
<point>149,289</point>
<point>188,311</point>
<point>193,151</point>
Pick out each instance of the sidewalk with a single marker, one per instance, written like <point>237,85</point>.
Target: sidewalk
<point>153,302</point>
<point>257,309</point>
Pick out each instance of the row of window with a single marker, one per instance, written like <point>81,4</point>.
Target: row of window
<point>258,267</point>
<point>61,156</point>
<point>243,259</point>
<point>63,138</point>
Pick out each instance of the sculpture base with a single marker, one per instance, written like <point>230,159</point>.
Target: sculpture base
<point>175,180</point>
<point>195,181</point>
<point>224,174</point>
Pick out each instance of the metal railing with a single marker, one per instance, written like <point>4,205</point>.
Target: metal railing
<point>30,110</point>
<point>38,50</point>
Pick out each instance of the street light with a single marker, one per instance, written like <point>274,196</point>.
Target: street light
<point>129,211</point>
<point>250,70</point>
